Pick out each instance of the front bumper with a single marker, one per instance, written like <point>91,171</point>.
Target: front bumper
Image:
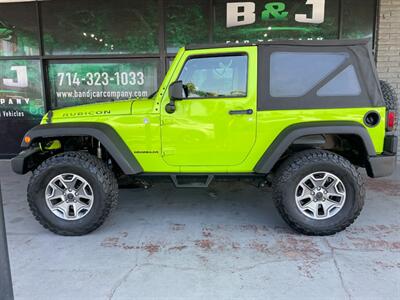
<point>385,164</point>
<point>22,163</point>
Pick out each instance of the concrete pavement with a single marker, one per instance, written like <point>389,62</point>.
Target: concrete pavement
<point>225,242</point>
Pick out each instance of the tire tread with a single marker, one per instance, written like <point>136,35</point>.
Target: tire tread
<point>293,165</point>
<point>97,167</point>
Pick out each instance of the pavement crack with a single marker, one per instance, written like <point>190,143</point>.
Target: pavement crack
<point>120,281</point>
<point>171,267</point>
<point>123,279</point>
<point>347,292</point>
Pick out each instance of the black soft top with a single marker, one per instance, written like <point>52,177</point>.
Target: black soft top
<point>360,56</point>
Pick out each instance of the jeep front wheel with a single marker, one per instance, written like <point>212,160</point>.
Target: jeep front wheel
<point>72,193</point>
<point>318,192</point>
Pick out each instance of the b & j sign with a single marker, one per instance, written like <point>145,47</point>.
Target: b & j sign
<point>244,13</point>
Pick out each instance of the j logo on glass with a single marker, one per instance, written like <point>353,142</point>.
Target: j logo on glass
<point>21,80</point>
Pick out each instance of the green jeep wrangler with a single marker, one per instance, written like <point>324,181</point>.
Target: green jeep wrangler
<point>302,116</point>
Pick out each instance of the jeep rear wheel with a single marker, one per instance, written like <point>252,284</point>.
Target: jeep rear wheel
<point>318,192</point>
<point>72,193</point>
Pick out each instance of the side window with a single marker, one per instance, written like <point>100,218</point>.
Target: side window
<point>344,84</point>
<point>294,74</point>
<point>216,76</point>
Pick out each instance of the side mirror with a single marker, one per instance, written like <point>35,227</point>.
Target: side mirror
<point>176,92</point>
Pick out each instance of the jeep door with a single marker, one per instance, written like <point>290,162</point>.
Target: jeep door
<point>215,125</point>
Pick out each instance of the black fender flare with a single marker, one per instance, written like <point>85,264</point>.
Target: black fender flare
<point>295,131</point>
<point>104,133</point>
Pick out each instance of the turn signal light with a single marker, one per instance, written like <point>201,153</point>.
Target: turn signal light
<point>391,119</point>
<point>27,139</point>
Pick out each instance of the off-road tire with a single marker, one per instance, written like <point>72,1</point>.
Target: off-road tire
<point>89,167</point>
<point>390,97</point>
<point>296,167</point>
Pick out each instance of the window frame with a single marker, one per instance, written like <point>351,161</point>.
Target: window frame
<point>239,53</point>
<point>265,101</point>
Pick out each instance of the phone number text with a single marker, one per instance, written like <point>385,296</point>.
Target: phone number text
<point>100,78</point>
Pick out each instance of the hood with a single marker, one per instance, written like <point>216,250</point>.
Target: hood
<point>92,110</point>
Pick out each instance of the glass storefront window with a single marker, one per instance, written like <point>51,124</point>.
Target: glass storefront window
<point>21,102</point>
<point>358,19</point>
<point>263,21</point>
<point>88,82</point>
<point>187,22</point>
<point>21,95</point>
<point>19,35</point>
<point>100,27</point>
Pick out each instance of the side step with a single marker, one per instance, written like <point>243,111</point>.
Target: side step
<point>192,181</point>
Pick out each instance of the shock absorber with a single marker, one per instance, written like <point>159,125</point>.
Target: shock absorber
<point>99,153</point>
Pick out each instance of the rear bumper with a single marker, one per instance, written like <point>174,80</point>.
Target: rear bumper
<point>381,166</point>
<point>21,163</point>
<point>385,164</point>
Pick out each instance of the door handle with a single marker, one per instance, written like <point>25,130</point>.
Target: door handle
<point>241,112</point>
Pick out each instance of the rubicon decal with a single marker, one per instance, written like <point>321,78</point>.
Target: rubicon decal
<point>87,113</point>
